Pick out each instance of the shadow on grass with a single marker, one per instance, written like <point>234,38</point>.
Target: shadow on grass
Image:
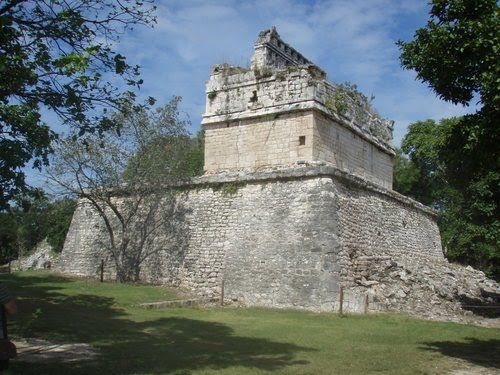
<point>161,346</point>
<point>485,353</point>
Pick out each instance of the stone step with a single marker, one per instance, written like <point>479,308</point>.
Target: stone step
<point>178,303</point>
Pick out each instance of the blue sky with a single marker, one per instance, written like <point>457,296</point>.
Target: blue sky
<point>352,40</point>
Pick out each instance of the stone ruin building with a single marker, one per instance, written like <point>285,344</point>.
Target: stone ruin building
<point>283,111</point>
<point>296,208</point>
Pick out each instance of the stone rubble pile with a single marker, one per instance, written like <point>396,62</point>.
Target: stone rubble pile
<point>42,257</point>
<point>430,288</point>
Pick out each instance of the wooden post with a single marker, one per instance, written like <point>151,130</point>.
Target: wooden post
<point>341,307</point>
<point>102,270</point>
<point>10,266</point>
<point>366,304</point>
<point>222,293</point>
<point>20,256</point>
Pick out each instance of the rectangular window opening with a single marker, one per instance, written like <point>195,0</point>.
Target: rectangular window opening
<point>254,97</point>
<point>302,140</point>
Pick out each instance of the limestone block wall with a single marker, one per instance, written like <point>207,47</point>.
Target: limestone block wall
<point>257,143</point>
<point>289,238</point>
<point>285,250</point>
<point>376,225</point>
<point>234,92</point>
<point>285,139</point>
<point>348,151</point>
<point>192,261</point>
<point>83,248</point>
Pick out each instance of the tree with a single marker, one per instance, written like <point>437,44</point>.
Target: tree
<point>129,182</point>
<point>195,157</point>
<point>33,217</point>
<point>29,212</point>
<point>457,55</point>
<point>405,175</point>
<point>58,220</point>
<point>457,52</point>
<point>58,56</point>
<point>8,238</point>
<point>424,145</point>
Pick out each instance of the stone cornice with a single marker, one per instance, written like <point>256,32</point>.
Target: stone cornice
<point>302,171</point>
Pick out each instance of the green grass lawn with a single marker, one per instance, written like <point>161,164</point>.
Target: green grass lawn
<point>132,340</point>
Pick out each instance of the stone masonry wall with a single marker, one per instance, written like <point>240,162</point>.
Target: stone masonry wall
<point>276,141</point>
<point>285,238</point>
<point>348,151</point>
<point>376,228</point>
<point>82,252</point>
<point>284,251</point>
<point>257,143</point>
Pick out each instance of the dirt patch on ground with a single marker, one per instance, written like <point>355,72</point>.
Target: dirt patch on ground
<point>34,350</point>
<point>475,370</point>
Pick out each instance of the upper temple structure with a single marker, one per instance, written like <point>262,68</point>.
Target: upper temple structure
<point>284,112</point>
